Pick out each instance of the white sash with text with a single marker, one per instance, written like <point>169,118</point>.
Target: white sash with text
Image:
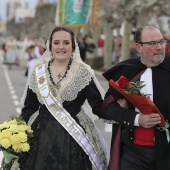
<point>64,118</point>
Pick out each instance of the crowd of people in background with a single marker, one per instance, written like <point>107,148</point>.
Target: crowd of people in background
<point>25,51</point>
<point>61,82</point>
<point>22,51</point>
<point>86,46</point>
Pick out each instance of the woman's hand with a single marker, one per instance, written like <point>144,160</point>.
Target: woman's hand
<point>123,103</point>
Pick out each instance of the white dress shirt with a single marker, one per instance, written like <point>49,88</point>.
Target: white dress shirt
<point>146,77</point>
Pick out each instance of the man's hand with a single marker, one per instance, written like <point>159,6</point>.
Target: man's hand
<point>149,120</point>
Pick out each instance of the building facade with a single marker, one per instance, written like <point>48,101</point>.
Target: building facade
<point>13,6</point>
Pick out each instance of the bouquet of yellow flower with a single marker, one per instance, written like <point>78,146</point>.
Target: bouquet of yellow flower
<point>15,139</point>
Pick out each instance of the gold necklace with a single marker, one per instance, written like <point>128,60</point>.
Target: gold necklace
<point>59,73</point>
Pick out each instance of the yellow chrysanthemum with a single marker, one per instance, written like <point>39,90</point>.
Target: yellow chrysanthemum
<point>1,126</point>
<point>22,147</point>
<point>29,130</point>
<point>15,140</point>
<point>18,138</point>
<point>16,147</point>
<point>5,142</point>
<point>22,136</point>
<point>22,128</point>
<point>14,128</point>
<point>25,147</point>
<point>0,135</point>
<point>12,121</point>
<point>6,134</point>
<point>5,125</point>
<point>15,133</point>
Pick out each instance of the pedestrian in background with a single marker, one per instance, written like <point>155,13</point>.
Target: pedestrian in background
<point>101,46</point>
<point>82,47</point>
<point>11,52</point>
<point>90,46</point>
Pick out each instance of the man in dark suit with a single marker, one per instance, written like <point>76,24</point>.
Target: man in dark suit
<point>143,145</point>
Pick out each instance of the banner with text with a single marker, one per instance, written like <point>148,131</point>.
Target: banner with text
<point>74,12</point>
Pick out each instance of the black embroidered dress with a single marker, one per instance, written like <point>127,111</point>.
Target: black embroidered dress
<point>53,147</point>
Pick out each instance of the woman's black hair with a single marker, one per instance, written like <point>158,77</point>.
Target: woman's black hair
<point>66,30</point>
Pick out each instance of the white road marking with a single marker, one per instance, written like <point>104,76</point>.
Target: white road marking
<point>14,97</point>
<point>10,87</point>
<point>9,83</point>
<point>16,102</point>
<point>12,91</point>
<point>18,110</point>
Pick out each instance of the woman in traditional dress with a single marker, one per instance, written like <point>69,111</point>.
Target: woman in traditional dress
<point>65,137</point>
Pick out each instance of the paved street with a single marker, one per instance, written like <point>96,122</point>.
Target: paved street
<point>12,84</point>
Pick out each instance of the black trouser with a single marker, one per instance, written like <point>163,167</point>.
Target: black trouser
<point>137,157</point>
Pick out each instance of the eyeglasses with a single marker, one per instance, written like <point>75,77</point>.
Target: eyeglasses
<point>154,43</point>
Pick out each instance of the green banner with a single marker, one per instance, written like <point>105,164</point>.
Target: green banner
<point>77,12</point>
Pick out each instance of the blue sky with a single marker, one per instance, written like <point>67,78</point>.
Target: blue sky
<point>3,3</point>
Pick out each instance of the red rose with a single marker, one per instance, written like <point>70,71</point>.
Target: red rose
<point>123,82</point>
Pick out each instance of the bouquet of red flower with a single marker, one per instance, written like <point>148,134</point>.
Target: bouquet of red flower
<point>131,91</point>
